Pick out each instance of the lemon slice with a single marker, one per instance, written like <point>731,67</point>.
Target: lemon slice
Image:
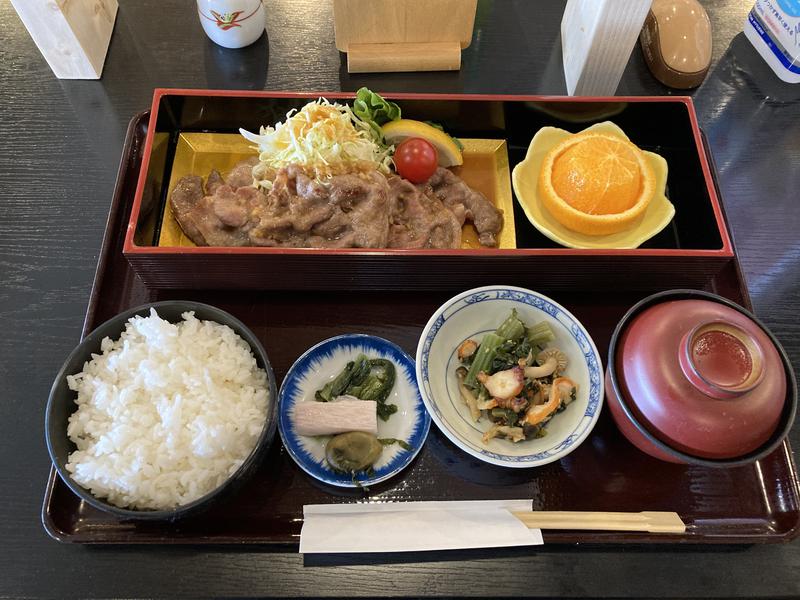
<point>396,131</point>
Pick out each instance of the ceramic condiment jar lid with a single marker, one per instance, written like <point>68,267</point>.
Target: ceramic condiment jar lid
<point>702,377</point>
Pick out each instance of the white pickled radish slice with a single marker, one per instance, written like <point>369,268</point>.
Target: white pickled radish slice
<point>329,418</point>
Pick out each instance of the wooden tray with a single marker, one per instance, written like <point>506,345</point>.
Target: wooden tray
<point>751,504</point>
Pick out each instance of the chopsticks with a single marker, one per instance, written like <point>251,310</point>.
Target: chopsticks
<point>650,521</point>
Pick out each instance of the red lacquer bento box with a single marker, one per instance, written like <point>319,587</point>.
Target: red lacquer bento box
<point>190,129</point>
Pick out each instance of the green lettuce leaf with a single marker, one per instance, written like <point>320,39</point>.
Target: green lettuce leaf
<point>374,110</point>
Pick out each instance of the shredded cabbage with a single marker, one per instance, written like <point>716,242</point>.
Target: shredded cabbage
<point>326,139</point>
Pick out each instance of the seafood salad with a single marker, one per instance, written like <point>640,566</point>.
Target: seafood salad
<point>514,379</point>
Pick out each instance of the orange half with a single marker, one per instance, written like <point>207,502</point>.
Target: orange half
<point>596,183</point>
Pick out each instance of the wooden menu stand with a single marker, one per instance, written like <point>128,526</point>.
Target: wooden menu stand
<point>403,35</point>
<point>72,35</point>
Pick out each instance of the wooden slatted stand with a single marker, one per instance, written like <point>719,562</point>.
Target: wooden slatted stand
<point>403,35</point>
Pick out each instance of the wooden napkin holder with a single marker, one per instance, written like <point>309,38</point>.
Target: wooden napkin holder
<point>72,35</point>
<point>403,35</point>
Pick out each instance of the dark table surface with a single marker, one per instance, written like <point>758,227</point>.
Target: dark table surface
<point>60,143</point>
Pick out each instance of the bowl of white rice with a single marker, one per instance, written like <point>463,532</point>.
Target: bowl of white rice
<point>162,411</point>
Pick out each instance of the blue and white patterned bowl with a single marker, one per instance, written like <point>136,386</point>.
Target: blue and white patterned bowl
<point>476,312</point>
<point>323,362</point>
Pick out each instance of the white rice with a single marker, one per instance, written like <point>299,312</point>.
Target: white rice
<point>167,413</point>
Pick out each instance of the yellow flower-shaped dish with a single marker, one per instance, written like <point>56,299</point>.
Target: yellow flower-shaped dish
<point>525,178</point>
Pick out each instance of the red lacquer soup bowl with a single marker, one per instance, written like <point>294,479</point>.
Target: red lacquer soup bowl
<point>694,378</point>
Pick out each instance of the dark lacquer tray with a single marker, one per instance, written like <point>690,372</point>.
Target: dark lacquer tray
<point>756,503</point>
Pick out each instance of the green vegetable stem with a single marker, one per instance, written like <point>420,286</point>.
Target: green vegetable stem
<point>353,375</point>
<point>512,328</point>
<point>540,334</point>
<point>402,443</point>
<point>483,358</point>
<point>366,380</point>
<point>379,381</point>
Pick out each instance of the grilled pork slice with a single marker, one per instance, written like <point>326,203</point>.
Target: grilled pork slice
<point>348,211</point>
<point>359,210</point>
<point>420,220</point>
<point>222,213</point>
<point>466,204</point>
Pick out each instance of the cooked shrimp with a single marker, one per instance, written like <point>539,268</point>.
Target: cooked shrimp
<point>560,390</point>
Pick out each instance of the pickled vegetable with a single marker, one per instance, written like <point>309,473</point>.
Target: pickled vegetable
<point>365,379</point>
<point>353,451</point>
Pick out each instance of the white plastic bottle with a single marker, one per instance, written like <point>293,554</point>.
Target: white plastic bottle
<point>773,27</point>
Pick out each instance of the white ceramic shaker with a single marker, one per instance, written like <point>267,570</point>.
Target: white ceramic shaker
<point>232,23</point>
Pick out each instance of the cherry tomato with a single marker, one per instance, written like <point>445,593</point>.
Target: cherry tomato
<point>416,160</point>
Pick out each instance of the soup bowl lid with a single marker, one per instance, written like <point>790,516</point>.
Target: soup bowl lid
<point>702,377</point>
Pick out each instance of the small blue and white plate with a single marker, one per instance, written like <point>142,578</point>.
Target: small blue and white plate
<point>323,362</point>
